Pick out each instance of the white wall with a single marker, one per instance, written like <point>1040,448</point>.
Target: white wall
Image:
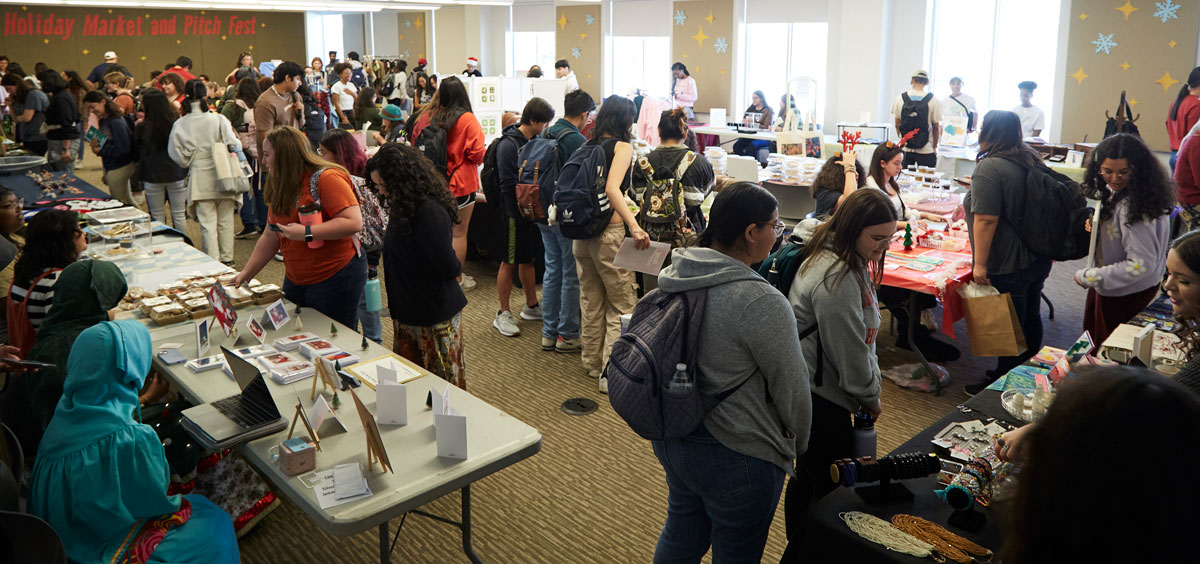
<point>354,32</point>
<point>385,34</point>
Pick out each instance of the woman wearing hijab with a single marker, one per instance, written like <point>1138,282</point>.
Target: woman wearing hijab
<point>100,479</point>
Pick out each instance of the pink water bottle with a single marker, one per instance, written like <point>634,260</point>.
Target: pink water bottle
<point>311,215</point>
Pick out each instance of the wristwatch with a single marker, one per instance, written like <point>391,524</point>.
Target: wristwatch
<point>308,236</point>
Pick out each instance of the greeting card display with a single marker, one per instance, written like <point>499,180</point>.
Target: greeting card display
<point>223,310</point>
<point>293,342</point>
<point>320,347</point>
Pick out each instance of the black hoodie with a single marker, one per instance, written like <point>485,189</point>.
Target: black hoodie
<point>506,168</point>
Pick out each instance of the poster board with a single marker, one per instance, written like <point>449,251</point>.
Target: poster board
<point>954,131</point>
<point>554,91</point>
<point>487,94</point>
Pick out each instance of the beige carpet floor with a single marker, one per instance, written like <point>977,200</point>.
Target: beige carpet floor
<point>595,493</point>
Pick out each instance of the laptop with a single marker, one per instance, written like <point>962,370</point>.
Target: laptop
<point>238,418</point>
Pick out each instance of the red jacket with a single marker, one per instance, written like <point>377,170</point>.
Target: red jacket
<point>464,152</point>
<point>182,72</point>
<point>1189,113</point>
<point>1187,171</point>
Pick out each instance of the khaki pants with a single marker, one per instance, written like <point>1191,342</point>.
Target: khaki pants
<point>117,181</point>
<point>605,294</point>
<point>216,227</point>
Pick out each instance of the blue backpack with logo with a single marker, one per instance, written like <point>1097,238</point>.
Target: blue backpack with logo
<point>581,207</point>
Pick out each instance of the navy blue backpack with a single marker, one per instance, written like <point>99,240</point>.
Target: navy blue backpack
<point>537,174</point>
<point>581,206</point>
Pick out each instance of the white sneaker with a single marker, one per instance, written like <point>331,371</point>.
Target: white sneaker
<point>467,284</point>
<point>506,324</point>
<point>279,257</point>
<point>548,344</point>
<point>567,345</point>
<point>603,383</point>
<point>531,313</point>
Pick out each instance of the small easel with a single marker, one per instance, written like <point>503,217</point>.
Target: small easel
<point>323,375</point>
<point>303,417</point>
<point>375,449</point>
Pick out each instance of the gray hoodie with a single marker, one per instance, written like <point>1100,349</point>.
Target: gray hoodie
<point>848,323</point>
<point>748,331</point>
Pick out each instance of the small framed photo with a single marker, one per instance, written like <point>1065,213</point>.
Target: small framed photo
<point>202,338</point>
<point>276,315</point>
<point>256,329</point>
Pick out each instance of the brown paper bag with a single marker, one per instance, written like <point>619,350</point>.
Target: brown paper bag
<point>993,327</point>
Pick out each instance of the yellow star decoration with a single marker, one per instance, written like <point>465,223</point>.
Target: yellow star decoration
<point>201,12</point>
<point>418,23</point>
<point>1132,101</point>
<point>178,41</point>
<point>1083,15</point>
<point>710,18</point>
<point>46,41</point>
<point>1126,9</point>
<point>85,51</point>
<point>685,55</point>
<point>722,71</point>
<point>1125,65</point>
<point>1172,44</point>
<point>143,57</point>
<point>399,37</point>
<point>147,15</point>
<point>264,24</point>
<point>700,37</point>
<point>250,48</point>
<point>562,21</point>
<point>1166,81</point>
<point>223,38</point>
<point>110,11</point>
<point>589,77</point>
<point>583,36</point>
<point>1079,75</point>
<point>23,8</point>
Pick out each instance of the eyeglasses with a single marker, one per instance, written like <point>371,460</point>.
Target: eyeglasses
<point>1122,174</point>
<point>778,227</point>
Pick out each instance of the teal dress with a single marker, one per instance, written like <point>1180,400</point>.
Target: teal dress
<point>101,477</point>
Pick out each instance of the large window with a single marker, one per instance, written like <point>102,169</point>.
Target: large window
<point>533,48</point>
<point>641,63</point>
<point>993,45</point>
<point>779,54</point>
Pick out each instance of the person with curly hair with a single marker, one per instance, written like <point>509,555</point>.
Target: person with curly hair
<point>420,266</point>
<point>1137,196</point>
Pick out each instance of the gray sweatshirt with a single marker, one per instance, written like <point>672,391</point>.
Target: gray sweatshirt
<point>748,331</point>
<point>847,315</point>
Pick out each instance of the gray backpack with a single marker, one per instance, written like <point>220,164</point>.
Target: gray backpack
<point>663,332</point>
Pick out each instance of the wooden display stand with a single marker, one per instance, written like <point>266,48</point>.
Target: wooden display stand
<point>375,448</point>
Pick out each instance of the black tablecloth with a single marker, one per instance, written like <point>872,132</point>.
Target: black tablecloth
<point>828,539</point>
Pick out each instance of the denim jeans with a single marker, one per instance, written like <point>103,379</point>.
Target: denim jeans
<point>337,296</point>
<point>715,496</point>
<point>372,326</point>
<point>1025,286</point>
<point>254,208</point>
<point>157,194</point>
<point>560,286</point>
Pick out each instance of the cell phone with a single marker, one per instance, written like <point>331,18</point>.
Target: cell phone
<point>274,228</point>
<point>25,363</point>
<point>172,357</point>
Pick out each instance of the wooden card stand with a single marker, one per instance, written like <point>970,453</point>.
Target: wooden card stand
<point>322,374</point>
<point>301,416</point>
<point>375,448</point>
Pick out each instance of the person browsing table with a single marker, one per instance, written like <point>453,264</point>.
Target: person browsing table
<point>329,277</point>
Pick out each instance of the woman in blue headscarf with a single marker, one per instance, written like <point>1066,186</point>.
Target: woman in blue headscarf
<point>101,476</point>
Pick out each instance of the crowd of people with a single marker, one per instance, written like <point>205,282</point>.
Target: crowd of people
<point>334,216</point>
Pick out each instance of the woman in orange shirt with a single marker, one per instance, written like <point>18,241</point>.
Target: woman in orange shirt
<point>330,277</point>
<point>451,107</point>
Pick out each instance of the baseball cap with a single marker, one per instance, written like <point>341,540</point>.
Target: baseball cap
<point>920,74</point>
<point>109,55</point>
<point>392,112</point>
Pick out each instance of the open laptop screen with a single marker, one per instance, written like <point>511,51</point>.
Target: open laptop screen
<point>250,380</point>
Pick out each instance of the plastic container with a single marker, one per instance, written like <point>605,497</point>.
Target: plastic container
<point>309,218</point>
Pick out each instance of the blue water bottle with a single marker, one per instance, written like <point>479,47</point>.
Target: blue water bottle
<point>374,300</point>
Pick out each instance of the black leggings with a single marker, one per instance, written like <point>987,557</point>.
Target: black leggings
<point>831,437</point>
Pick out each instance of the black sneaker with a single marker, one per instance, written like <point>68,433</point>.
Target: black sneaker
<point>248,232</point>
<point>974,389</point>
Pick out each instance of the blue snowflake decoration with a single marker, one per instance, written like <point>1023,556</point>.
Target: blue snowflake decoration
<point>721,45</point>
<point>575,52</point>
<point>1166,10</point>
<point>680,17</point>
<point>589,19</point>
<point>407,23</point>
<point>1105,43</point>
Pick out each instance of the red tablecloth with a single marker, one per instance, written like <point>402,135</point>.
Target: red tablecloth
<point>952,303</point>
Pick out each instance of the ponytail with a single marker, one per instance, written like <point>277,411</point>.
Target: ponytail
<point>672,124</point>
<point>194,91</point>
<point>1192,82</point>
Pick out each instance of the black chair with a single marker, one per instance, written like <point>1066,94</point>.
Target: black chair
<point>26,538</point>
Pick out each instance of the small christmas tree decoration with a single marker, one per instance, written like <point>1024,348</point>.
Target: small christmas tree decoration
<point>908,240</point>
<point>337,403</point>
<point>333,329</point>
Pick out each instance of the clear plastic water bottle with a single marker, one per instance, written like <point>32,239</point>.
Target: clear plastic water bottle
<point>681,381</point>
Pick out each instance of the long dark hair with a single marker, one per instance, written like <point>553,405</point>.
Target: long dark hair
<point>23,87</point>
<point>77,83</point>
<point>110,107</point>
<point>247,91</point>
<point>1150,191</point>
<point>1192,82</point>
<point>884,153</point>
<point>409,181</point>
<point>1058,515</point>
<point>160,116</point>
<point>761,96</point>
<point>839,235</point>
<point>832,176</point>
<point>1000,136</point>
<point>1187,248</point>
<point>345,151</point>
<point>735,208</point>
<point>451,98</point>
<point>363,102</point>
<point>52,82</point>
<point>677,67</point>
<point>614,119</point>
<point>49,243</point>
<point>194,91</point>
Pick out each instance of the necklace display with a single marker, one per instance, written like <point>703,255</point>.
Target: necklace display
<point>881,532</point>
<point>946,543</point>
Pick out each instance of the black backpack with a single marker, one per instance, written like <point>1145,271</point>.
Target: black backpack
<point>1052,221</point>
<point>489,177</point>
<point>780,270</point>
<point>1123,122</point>
<point>432,142</point>
<point>915,115</point>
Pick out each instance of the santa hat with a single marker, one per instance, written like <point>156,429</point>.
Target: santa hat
<point>472,62</point>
